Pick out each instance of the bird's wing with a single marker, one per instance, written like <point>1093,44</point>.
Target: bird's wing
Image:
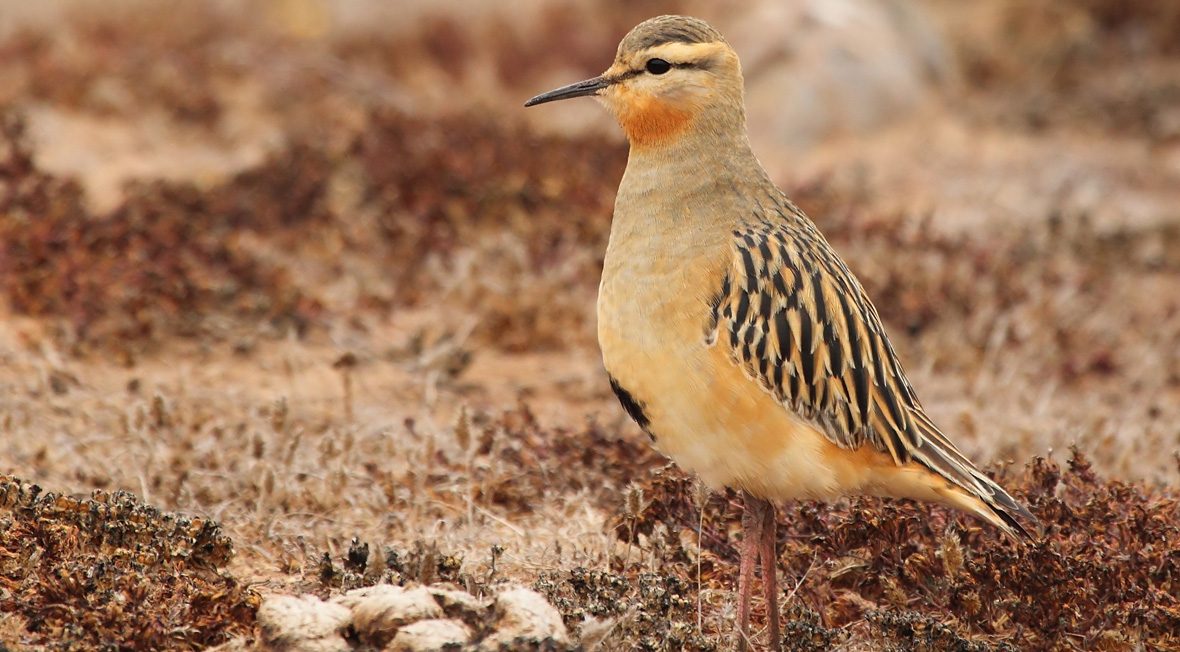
<point>796,319</point>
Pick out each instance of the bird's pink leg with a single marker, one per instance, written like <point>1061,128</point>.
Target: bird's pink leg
<point>758,539</point>
<point>752,522</point>
<point>769,576</point>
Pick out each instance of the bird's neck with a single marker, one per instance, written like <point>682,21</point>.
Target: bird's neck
<point>691,181</point>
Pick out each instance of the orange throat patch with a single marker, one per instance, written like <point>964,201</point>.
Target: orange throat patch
<point>649,121</point>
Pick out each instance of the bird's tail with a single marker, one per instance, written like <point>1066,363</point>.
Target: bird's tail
<point>966,487</point>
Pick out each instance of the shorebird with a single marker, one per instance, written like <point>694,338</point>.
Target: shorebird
<point>732,332</point>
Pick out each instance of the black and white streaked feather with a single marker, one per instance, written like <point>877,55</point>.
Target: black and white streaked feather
<point>799,323</point>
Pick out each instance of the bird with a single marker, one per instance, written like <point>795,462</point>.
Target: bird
<point>730,329</point>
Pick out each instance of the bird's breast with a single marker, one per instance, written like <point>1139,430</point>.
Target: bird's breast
<point>653,301</point>
<point>653,309</point>
<point>649,348</point>
<point>685,391</point>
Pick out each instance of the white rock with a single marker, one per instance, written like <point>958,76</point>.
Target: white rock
<point>302,624</point>
<point>427,635</point>
<point>383,608</point>
<point>522,613</point>
<point>456,601</point>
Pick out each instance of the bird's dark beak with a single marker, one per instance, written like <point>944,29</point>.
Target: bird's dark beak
<point>579,89</point>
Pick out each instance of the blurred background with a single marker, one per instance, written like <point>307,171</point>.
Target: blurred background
<point>269,261</point>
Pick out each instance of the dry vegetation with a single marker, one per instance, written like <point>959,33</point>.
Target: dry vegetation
<point>366,354</point>
<point>113,571</point>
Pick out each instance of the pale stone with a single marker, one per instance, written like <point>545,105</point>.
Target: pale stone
<point>524,614</point>
<point>383,608</point>
<point>302,624</point>
<point>458,603</point>
<point>427,635</point>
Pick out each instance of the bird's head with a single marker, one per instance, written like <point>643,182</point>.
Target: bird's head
<point>671,74</point>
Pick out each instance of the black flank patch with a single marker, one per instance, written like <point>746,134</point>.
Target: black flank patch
<point>632,407</point>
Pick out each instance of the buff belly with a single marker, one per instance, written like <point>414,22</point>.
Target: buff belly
<point>711,419</point>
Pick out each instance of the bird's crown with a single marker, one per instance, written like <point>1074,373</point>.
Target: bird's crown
<point>667,29</point>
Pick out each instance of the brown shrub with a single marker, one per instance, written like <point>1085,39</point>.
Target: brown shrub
<point>160,263</point>
<point>112,569</point>
<point>887,571</point>
<point>1108,63</point>
<point>1156,24</point>
<point>503,224</point>
<point>534,462</point>
<point>126,61</point>
<point>449,183</point>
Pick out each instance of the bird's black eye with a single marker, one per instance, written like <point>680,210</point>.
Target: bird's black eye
<point>658,66</point>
